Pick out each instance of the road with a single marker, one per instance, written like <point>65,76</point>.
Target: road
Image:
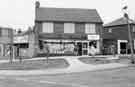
<point>122,77</point>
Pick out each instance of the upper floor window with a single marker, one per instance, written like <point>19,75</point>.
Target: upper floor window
<point>5,32</point>
<point>133,28</point>
<point>69,27</point>
<point>48,27</point>
<point>90,28</point>
<point>110,30</point>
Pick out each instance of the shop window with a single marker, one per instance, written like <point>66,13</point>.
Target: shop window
<point>93,43</point>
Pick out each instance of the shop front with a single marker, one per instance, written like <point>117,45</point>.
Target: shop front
<point>70,47</point>
<point>21,46</point>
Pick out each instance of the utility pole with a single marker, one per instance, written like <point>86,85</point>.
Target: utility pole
<point>129,35</point>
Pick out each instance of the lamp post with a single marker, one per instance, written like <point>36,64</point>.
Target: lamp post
<point>130,37</point>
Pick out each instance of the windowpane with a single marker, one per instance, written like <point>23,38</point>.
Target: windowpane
<point>48,27</point>
<point>90,28</point>
<point>69,27</point>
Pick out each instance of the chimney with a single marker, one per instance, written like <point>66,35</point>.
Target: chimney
<point>37,4</point>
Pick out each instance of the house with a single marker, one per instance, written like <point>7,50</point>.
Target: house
<point>116,33</point>
<point>6,38</point>
<point>67,31</point>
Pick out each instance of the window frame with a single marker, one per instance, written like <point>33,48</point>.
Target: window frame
<point>89,29</point>
<point>68,29</point>
<point>50,27</point>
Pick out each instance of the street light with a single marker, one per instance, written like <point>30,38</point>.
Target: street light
<point>129,35</point>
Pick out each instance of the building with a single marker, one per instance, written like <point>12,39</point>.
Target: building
<point>6,38</point>
<point>67,31</point>
<point>116,33</point>
<point>23,42</point>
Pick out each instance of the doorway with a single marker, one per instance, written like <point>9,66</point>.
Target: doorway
<point>79,45</point>
<point>122,47</point>
<point>82,48</point>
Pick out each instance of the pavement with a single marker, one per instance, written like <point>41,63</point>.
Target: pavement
<point>75,65</point>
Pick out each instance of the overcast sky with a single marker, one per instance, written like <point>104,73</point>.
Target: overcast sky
<point>21,13</point>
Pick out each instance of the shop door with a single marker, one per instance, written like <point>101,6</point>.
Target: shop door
<point>84,48</point>
<point>122,47</point>
<point>79,45</point>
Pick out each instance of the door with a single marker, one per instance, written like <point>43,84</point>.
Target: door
<point>122,46</point>
<point>79,45</point>
<point>85,48</point>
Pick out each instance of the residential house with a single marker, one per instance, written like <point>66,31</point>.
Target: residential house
<point>116,33</point>
<point>67,31</point>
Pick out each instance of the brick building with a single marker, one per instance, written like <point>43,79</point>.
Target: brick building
<point>67,31</point>
<point>116,33</point>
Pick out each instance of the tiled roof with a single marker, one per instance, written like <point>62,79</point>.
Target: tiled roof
<point>67,15</point>
<point>120,21</point>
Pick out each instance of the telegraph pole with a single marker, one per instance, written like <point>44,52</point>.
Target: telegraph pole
<point>129,35</point>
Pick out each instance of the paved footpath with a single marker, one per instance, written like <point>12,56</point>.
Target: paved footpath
<point>75,65</point>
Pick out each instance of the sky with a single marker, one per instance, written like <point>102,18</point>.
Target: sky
<point>20,14</point>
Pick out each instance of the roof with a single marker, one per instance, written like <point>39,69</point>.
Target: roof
<point>120,21</point>
<point>67,15</point>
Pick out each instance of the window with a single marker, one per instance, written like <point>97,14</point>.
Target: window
<point>133,28</point>
<point>134,44</point>
<point>5,32</point>
<point>110,30</point>
<point>90,28</point>
<point>0,32</point>
<point>48,27</point>
<point>69,27</point>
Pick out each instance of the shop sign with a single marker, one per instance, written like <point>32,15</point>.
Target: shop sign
<point>93,37</point>
<point>21,39</point>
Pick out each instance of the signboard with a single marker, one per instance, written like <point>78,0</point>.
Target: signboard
<point>21,39</point>
<point>93,37</point>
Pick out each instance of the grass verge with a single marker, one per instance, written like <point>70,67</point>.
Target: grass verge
<point>35,64</point>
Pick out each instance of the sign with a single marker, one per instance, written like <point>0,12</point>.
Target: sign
<point>21,39</point>
<point>93,37</point>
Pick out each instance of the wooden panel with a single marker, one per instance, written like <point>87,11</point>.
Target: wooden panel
<point>80,28</point>
<point>58,27</point>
